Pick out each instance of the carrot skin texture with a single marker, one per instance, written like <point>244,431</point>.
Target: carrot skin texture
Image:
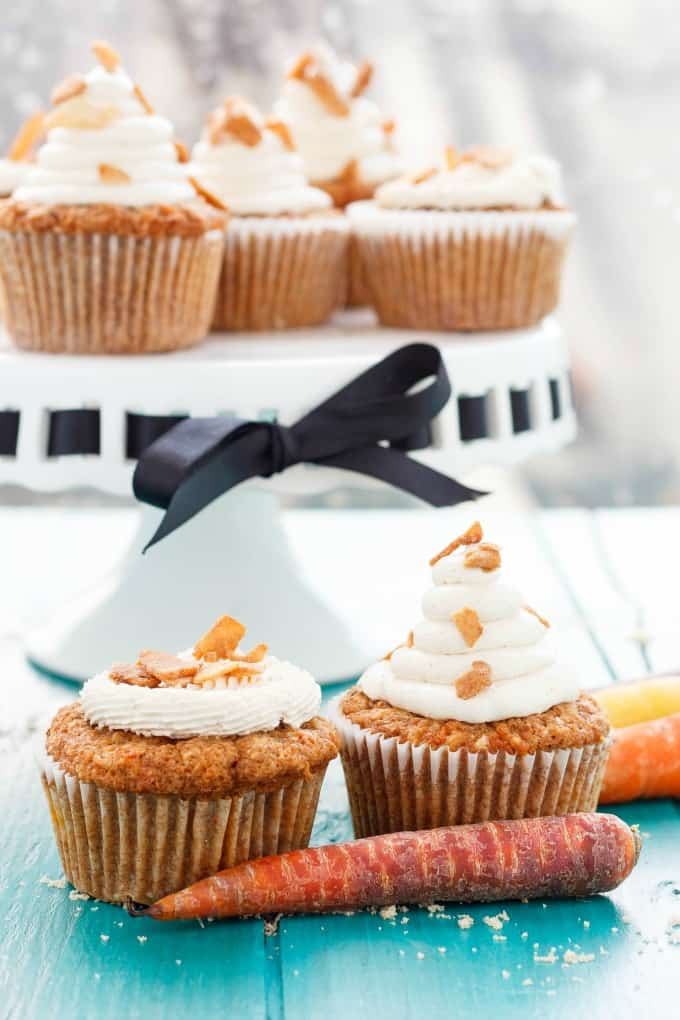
<point>644,761</point>
<point>570,855</point>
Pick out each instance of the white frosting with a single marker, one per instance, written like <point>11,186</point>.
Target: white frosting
<point>12,173</point>
<point>523,183</point>
<point>525,676</point>
<point>263,179</point>
<point>280,693</point>
<point>329,142</point>
<point>141,145</point>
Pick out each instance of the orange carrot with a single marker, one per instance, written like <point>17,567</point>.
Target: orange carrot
<point>572,855</point>
<point>644,761</point>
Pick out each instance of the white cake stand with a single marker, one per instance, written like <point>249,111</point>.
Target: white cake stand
<point>234,557</point>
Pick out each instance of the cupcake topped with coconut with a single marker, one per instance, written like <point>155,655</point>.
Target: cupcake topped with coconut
<point>479,178</point>
<point>347,145</point>
<point>251,164</point>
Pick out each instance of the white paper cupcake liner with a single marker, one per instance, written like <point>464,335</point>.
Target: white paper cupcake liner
<point>397,786</point>
<point>118,845</point>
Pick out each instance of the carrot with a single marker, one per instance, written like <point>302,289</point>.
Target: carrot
<point>572,855</point>
<point>642,701</point>
<point>644,761</point>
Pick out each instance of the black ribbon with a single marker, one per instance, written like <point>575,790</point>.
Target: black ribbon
<point>365,427</point>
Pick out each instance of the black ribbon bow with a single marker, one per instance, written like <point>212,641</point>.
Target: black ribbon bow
<point>199,459</point>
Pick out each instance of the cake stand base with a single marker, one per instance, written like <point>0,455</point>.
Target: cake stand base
<point>233,558</point>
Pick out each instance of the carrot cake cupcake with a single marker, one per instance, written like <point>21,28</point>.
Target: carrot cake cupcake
<point>472,718</point>
<point>106,247</point>
<point>173,767</point>
<point>475,243</point>
<point>285,256</point>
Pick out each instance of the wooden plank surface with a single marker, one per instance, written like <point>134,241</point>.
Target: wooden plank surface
<point>575,567</point>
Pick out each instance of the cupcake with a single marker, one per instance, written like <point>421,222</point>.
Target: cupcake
<point>476,243</point>
<point>106,247</point>
<point>171,768</point>
<point>472,718</point>
<point>348,147</point>
<point>16,165</point>
<point>285,254</point>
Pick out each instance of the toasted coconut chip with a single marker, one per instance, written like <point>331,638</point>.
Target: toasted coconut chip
<point>489,156</point>
<point>226,668</point>
<point>223,638</point>
<point>106,55</point>
<point>207,196</point>
<point>305,70</point>
<point>472,536</point>
<point>26,137</point>
<point>280,128</point>
<point>387,658</point>
<point>165,668</point>
<point>237,118</point>
<point>389,126</point>
<point>451,159</point>
<point>476,680</point>
<point>256,654</point>
<point>148,108</point>
<point>485,556</point>
<point>182,152</point>
<point>80,114</point>
<point>72,86</point>
<point>135,676</point>
<point>349,173</point>
<point>469,625</point>
<point>298,69</point>
<point>422,175</point>
<point>363,79</point>
<point>112,174</point>
<point>541,619</point>
<point>410,640</point>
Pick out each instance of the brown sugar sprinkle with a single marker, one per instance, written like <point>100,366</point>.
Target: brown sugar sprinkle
<point>165,668</point>
<point>106,55</point>
<point>26,137</point>
<point>135,676</point>
<point>206,195</point>
<point>451,159</point>
<point>422,175</point>
<point>112,174</point>
<point>486,556</point>
<point>472,536</point>
<point>476,680</point>
<point>222,638</point>
<point>280,128</point>
<point>469,625</point>
<point>306,70</point>
<point>363,79</point>
<point>489,156</point>
<point>541,619</point>
<point>182,152</point>
<point>148,108</point>
<point>70,87</point>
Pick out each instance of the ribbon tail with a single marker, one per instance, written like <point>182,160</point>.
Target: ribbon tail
<point>404,472</point>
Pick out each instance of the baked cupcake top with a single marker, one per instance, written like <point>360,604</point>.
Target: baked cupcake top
<point>336,128</point>
<point>212,690</point>
<point>105,145</point>
<point>481,178</point>
<point>251,165</point>
<point>479,654</point>
<point>16,165</point>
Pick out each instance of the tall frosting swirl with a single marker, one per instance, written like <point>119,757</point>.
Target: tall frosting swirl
<point>479,654</point>
<point>251,164</point>
<point>214,690</point>
<point>105,145</point>
<point>334,125</point>
<point>482,178</point>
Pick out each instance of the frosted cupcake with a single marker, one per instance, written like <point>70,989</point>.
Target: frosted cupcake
<point>475,243</point>
<point>472,718</point>
<point>285,256</point>
<point>174,767</point>
<point>105,247</point>
<point>347,144</point>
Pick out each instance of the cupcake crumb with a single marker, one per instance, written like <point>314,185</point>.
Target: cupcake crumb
<point>104,938</point>
<point>388,913</point>
<point>178,962</point>
<point>75,895</point>
<point>52,883</point>
<point>500,938</point>
<point>142,939</point>
<point>496,921</point>
<point>465,921</point>
<point>420,956</point>
<point>272,927</point>
<point>441,949</point>
<point>505,974</point>
<point>570,957</point>
<point>527,982</point>
<point>550,957</point>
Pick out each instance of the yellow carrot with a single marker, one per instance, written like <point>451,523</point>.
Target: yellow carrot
<point>628,704</point>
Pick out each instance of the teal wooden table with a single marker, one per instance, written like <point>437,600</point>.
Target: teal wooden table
<point>62,956</point>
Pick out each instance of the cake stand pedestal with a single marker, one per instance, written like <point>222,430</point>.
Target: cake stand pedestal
<point>511,397</point>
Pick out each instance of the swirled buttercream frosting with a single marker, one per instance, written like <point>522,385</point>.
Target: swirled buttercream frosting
<point>479,654</point>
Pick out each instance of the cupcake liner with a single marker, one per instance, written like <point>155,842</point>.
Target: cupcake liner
<point>446,270</point>
<point>357,292</point>
<point>396,787</point>
<point>108,294</point>
<point>118,845</point>
<point>280,272</point>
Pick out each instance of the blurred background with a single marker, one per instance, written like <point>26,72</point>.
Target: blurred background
<point>596,83</point>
